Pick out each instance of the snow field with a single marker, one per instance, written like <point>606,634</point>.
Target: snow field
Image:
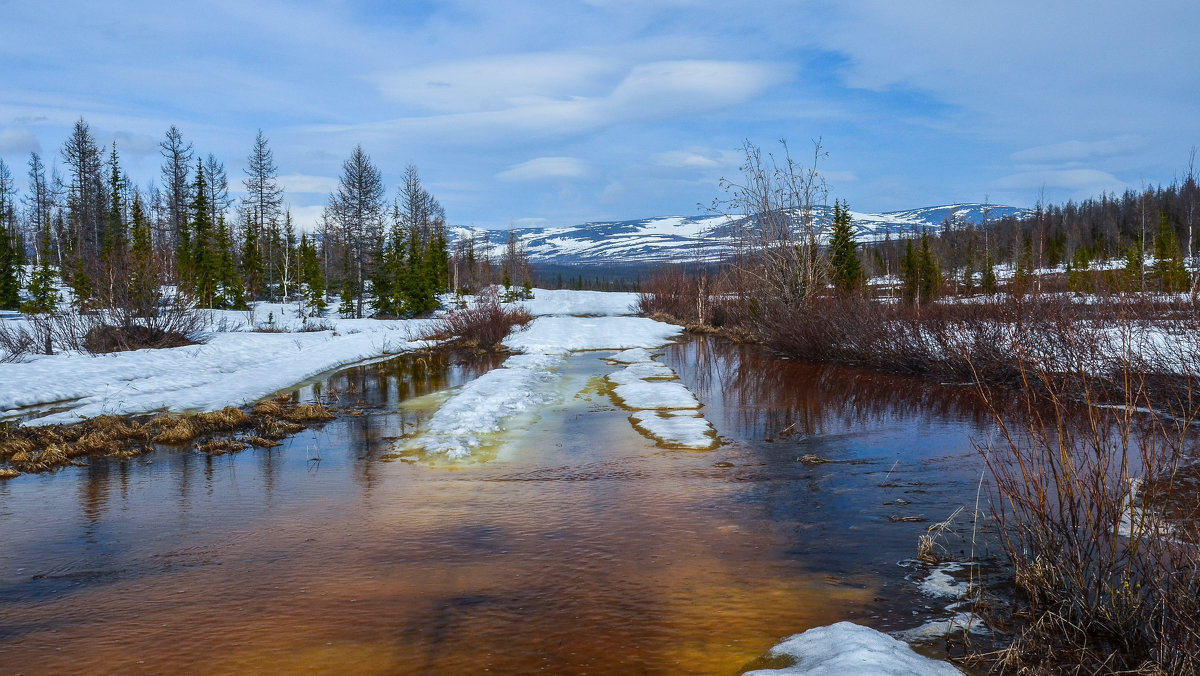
<point>847,648</point>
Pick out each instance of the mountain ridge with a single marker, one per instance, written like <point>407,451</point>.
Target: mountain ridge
<point>707,238</point>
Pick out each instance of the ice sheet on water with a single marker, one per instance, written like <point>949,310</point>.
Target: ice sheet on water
<point>641,395</point>
<point>485,404</point>
<point>631,356</point>
<point>642,371</point>
<point>678,429</point>
<point>847,648</point>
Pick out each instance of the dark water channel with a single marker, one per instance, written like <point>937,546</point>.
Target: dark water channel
<point>581,548</point>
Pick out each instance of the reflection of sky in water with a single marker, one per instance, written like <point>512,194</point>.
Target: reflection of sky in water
<point>580,547</point>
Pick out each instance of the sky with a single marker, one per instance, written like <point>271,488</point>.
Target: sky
<point>562,112</point>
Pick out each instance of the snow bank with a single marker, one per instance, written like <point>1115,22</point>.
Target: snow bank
<point>679,429</point>
<point>848,648</point>
<point>230,369</point>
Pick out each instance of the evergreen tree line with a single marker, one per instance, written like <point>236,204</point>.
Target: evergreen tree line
<point>1140,241</point>
<point>92,230</point>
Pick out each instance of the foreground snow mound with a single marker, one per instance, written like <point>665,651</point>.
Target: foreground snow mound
<point>482,406</point>
<point>676,429</point>
<point>847,648</point>
<point>568,334</point>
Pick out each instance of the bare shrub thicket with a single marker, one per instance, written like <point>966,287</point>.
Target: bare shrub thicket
<point>119,325</point>
<point>482,325</point>
<point>1084,477</point>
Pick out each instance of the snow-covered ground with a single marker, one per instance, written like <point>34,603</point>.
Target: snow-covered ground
<point>246,356</point>
<point>230,368</point>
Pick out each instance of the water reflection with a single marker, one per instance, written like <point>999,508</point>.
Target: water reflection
<point>583,548</point>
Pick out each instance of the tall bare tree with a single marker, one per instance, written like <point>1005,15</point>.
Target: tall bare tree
<point>176,195</point>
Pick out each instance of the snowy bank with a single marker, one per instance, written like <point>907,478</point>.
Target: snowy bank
<point>231,368</point>
<point>847,648</point>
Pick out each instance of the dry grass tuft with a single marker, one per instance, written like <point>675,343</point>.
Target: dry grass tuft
<point>306,413</point>
<point>8,473</point>
<point>222,446</point>
<point>259,442</point>
<point>268,408</point>
<point>174,431</point>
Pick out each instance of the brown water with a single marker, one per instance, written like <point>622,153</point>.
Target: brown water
<point>581,549</point>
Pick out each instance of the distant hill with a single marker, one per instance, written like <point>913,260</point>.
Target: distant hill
<point>703,238</point>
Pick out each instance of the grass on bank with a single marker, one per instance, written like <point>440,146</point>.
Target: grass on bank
<point>26,449</point>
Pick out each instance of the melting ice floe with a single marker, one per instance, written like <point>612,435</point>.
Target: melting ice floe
<point>665,411</point>
<point>848,648</point>
<point>941,583</point>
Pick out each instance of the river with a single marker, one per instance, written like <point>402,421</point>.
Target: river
<point>576,546</point>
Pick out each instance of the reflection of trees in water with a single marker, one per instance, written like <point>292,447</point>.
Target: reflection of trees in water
<point>766,396</point>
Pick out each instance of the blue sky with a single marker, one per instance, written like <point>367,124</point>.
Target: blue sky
<point>556,113</point>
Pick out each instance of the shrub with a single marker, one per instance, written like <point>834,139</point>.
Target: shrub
<point>481,325</point>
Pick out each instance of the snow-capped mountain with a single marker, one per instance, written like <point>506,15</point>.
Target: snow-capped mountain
<point>703,238</point>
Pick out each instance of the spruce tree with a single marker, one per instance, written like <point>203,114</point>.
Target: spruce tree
<point>931,271</point>
<point>205,258</point>
<point>10,279</point>
<point>1169,270</point>
<point>843,258</point>
<point>43,290</point>
<point>252,262</point>
<point>988,281</point>
<point>143,277</point>
<point>311,276</point>
<point>910,274</point>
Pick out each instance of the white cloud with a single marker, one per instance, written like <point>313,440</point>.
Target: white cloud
<point>1081,182</point>
<point>498,82</point>
<point>18,142</point>
<point>549,102</point>
<point>542,168</point>
<point>1079,151</point>
<point>305,184</point>
<point>683,159</point>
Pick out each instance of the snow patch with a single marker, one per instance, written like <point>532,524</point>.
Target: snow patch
<point>659,395</point>
<point>633,356</point>
<point>681,429</point>
<point>848,648</point>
